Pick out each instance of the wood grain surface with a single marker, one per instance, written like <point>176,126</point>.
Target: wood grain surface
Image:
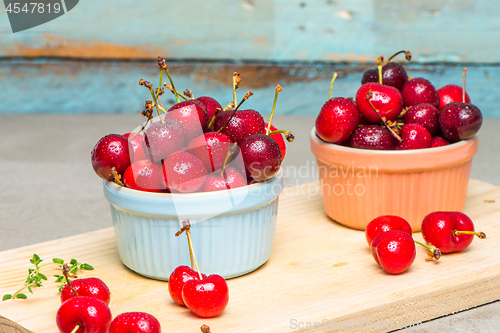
<point>320,277</point>
<point>333,30</point>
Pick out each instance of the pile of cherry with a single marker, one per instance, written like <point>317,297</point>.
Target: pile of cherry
<point>194,146</point>
<point>393,111</point>
<point>392,245</point>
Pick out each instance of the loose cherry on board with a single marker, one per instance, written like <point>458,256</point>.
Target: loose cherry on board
<point>91,315</point>
<point>135,322</point>
<point>207,297</point>
<point>111,151</point>
<point>385,223</point>
<point>449,231</point>
<point>394,251</point>
<point>178,279</point>
<point>92,287</point>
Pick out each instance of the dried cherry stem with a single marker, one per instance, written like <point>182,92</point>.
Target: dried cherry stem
<point>148,85</point>
<point>65,271</point>
<point>169,87</point>
<point>188,93</point>
<point>407,56</point>
<point>77,327</point>
<point>117,177</point>
<point>433,252</point>
<point>228,107</point>
<point>230,151</point>
<point>277,91</point>
<point>331,84</point>
<point>463,84</point>
<point>479,234</point>
<point>247,96</point>
<point>384,121</point>
<point>236,83</point>
<point>288,135</point>
<point>205,329</point>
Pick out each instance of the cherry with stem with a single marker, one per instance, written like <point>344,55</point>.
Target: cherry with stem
<point>247,96</point>
<point>384,121</point>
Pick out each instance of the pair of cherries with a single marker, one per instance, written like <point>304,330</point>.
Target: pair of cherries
<point>392,245</point>
<point>84,309</point>
<point>206,296</point>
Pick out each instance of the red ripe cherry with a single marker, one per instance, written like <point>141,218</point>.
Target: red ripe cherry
<point>261,155</point>
<point>393,74</point>
<point>91,314</point>
<point>424,114</point>
<point>92,287</point>
<point>232,179</point>
<point>135,322</point>
<point>242,124</point>
<point>211,104</point>
<point>439,141</point>
<point>419,90</point>
<point>144,175</point>
<point>414,136</point>
<point>336,120</point>
<point>449,231</point>
<point>211,148</point>
<point>386,100</point>
<point>111,151</point>
<point>184,172</point>
<point>208,297</point>
<point>162,139</point>
<point>178,279</point>
<point>451,93</point>
<point>192,115</point>
<point>394,250</point>
<point>385,223</point>
<point>136,149</point>
<point>460,121</point>
<point>278,137</point>
<point>372,137</point>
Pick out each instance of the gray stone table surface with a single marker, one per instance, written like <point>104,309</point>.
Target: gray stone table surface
<point>48,189</point>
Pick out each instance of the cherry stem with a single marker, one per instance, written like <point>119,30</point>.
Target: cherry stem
<point>230,151</point>
<point>463,88</point>
<point>169,87</point>
<point>277,91</point>
<point>190,242</point>
<point>289,136</point>
<point>172,84</point>
<point>434,253</point>
<point>247,96</point>
<point>188,93</point>
<point>65,270</point>
<point>236,83</point>
<point>480,234</point>
<point>368,96</point>
<point>380,79</point>
<point>186,226</point>
<point>217,111</point>
<point>407,56</point>
<point>331,84</point>
<point>77,327</point>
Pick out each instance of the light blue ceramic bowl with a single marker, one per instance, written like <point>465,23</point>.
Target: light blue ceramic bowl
<point>232,230</point>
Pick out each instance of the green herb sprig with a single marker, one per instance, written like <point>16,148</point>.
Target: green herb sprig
<point>36,277</point>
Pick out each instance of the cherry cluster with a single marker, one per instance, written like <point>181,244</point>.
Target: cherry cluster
<point>206,296</point>
<point>194,146</point>
<point>84,309</point>
<point>394,111</point>
<point>392,245</point>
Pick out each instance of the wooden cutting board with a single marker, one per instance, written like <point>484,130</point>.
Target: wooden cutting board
<point>320,275</point>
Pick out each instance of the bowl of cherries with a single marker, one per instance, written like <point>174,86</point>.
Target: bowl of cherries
<point>218,167</point>
<point>400,147</point>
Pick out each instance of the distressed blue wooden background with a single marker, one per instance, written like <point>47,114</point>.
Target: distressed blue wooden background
<point>90,59</point>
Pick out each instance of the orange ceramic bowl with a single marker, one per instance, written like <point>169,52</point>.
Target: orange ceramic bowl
<point>358,185</point>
